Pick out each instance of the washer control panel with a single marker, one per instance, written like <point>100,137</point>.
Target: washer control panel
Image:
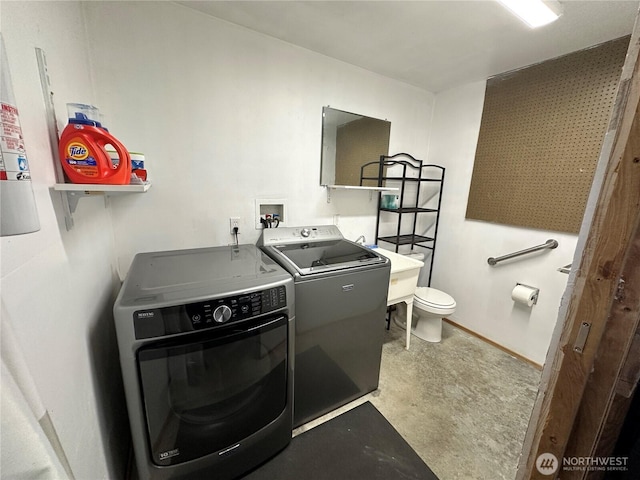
<point>288,235</point>
<point>211,313</point>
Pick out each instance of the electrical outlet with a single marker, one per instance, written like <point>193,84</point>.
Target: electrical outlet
<point>234,222</point>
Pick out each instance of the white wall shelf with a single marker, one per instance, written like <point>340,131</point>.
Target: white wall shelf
<point>77,190</point>
<point>101,189</point>
<point>74,191</point>
<point>356,187</point>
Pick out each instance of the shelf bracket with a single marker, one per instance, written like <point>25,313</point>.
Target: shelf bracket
<point>74,197</point>
<point>72,201</point>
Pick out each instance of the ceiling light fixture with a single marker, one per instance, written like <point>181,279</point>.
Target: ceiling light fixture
<point>534,13</point>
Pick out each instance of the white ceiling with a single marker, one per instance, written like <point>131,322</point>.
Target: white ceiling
<point>434,45</point>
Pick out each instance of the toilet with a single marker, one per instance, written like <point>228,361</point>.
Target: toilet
<point>429,306</point>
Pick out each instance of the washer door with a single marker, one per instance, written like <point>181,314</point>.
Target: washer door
<point>317,257</point>
<point>214,389</point>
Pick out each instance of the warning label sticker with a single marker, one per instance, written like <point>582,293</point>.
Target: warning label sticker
<point>13,157</point>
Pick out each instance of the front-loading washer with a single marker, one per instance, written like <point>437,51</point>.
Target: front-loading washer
<point>206,342</point>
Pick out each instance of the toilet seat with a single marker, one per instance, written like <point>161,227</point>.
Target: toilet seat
<point>433,301</point>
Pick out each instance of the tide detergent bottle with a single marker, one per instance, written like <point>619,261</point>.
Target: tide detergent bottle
<point>82,149</point>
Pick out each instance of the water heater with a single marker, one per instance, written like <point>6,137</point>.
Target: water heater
<point>18,212</point>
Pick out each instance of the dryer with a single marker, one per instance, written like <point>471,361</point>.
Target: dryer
<point>206,339</point>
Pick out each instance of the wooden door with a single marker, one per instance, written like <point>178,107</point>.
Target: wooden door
<point>590,375</point>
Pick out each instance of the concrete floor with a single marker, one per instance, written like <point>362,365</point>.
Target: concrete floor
<point>462,404</point>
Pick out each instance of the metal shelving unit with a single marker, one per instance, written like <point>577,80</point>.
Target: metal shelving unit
<point>416,173</point>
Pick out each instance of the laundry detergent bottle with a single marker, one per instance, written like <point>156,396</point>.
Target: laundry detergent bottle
<point>82,149</point>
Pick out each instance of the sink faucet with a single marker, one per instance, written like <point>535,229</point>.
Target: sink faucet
<point>361,237</point>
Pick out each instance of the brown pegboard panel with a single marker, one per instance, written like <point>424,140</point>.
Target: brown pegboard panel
<point>540,137</point>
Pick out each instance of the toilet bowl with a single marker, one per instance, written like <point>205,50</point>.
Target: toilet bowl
<point>429,306</point>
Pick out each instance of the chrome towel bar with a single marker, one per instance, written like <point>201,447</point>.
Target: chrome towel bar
<point>548,244</point>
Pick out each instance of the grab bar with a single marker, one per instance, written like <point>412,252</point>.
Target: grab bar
<point>548,244</point>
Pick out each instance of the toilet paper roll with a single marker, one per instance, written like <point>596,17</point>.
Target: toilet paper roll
<point>524,294</point>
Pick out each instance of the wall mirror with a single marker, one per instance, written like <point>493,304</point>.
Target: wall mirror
<point>349,141</point>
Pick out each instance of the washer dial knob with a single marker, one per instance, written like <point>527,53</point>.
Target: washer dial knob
<point>305,232</point>
<point>222,314</point>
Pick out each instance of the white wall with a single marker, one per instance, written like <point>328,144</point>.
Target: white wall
<point>225,115</point>
<point>482,292</point>
<point>58,286</point>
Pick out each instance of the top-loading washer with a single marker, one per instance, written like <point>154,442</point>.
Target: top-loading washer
<point>206,347</point>
<point>341,296</point>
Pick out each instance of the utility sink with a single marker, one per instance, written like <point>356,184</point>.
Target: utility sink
<point>402,282</point>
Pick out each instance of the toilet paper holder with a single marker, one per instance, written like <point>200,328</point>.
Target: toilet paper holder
<point>535,294</point>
